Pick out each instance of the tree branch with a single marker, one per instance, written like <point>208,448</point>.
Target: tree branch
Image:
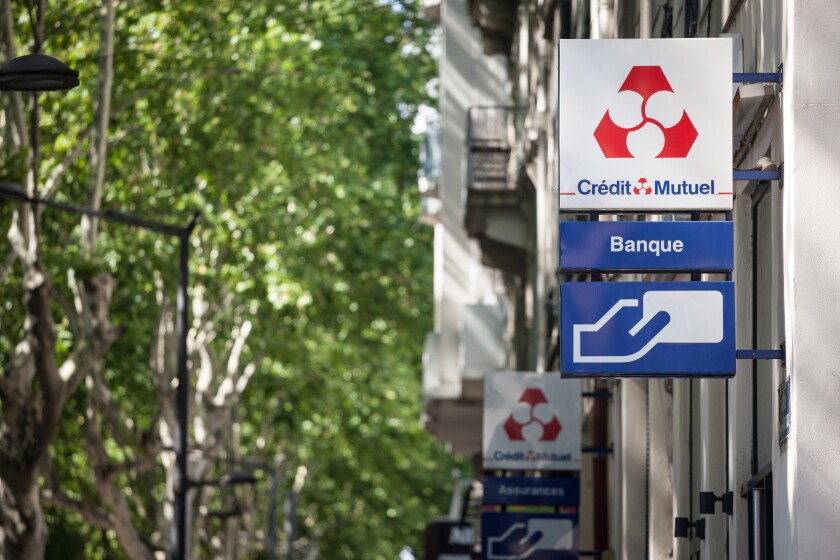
<point>40,329</point>
<point>103,478</point>
<point>51,184</point>
<point>102,115</point>
<point>91,515</point>
<point>7,265</point>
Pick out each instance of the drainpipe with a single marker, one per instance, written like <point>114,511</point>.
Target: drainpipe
<point>644,20</point>
<point>605,19</point>
<point>600,19</point>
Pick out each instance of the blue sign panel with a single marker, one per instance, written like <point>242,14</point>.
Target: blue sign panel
<point>646,246</point>
<point>535,536</point>
<point>679,329</point>
<point>528,490</point>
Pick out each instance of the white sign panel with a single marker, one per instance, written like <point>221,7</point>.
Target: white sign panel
<point>645,124</point>
<point>531,422</point>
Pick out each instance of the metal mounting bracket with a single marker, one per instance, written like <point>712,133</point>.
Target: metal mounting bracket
<point>762,354</point>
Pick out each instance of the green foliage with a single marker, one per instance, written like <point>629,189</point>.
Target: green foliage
<point>14,165</point>
<point>288,126</point>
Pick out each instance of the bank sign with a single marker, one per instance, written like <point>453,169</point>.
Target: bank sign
<point>672,329</point>
<point>645,124</point>
<point>705,246</point>
<point>531,422</point>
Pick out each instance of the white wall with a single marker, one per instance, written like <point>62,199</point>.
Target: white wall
<point>467,78</point>
<point>812,291</point>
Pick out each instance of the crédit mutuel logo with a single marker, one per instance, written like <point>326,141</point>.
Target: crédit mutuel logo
<point>652,125</point>
<point>532,419</point>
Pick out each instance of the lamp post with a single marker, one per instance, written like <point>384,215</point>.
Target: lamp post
<point>182,233</point>
<point>179,528</point>
<point>247,477</point>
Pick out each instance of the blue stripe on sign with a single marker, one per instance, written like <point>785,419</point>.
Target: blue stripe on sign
<point>528,490</point>
<point>705,246</point>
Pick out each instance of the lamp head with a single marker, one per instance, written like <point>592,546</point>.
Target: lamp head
<point>13,190</point>
<point>238,478</point>
<point>707,502</point>
<point>37,72</point>
<point>681,525</point>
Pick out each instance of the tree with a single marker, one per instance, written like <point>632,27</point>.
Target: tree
<point>288,127</point>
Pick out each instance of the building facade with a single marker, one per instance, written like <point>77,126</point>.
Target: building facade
<point>769,435</point>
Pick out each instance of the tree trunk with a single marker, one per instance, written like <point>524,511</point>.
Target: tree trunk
<point>33,541</point>
<point>103,470</point>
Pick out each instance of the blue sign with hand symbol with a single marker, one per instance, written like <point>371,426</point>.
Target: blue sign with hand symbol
<point>535,536</point>
<point>644,328</point>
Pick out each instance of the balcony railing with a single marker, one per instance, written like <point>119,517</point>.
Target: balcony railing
<point>492,134</point>
<point>430,161</point>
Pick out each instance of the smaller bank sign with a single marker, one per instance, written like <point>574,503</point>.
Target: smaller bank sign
<point>531,422</point>
<point>531,536</point>
<point>703,246</point>
<point>645,124</point>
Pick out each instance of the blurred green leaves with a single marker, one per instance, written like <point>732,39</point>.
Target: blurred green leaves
<point>288,126</point>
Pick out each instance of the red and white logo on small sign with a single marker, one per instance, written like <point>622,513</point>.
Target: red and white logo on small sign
<point>649,116</point>
<point>532,418</point>
<point>642,186</point>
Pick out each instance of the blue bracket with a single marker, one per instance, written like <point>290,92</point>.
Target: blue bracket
<point>756,175</point>
<point>757,77</point>
<point>760,354</point>
<point>597,394</point>
<point>608,450</point>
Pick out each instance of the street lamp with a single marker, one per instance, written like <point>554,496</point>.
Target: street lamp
<point>246,477</point>
<point>182,483</point>
<point>230,479</point>
<point>36,73</point>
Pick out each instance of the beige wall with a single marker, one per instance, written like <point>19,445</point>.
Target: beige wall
<point>467,78</point>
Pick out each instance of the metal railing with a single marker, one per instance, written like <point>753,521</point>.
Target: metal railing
<point>493,138</point>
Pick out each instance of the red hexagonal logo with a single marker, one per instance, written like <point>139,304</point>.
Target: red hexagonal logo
<point>646,81</point>
<point>532,419</point>
<point>642,186</point>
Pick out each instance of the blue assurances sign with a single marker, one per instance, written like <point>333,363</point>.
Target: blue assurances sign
<point>510,536</point>
<point>642,328</point>
<point>528,490</point>
<point>703,246</point>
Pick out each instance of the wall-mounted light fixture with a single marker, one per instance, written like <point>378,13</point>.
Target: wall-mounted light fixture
<point>682,525</point>
<point>708,499</point>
